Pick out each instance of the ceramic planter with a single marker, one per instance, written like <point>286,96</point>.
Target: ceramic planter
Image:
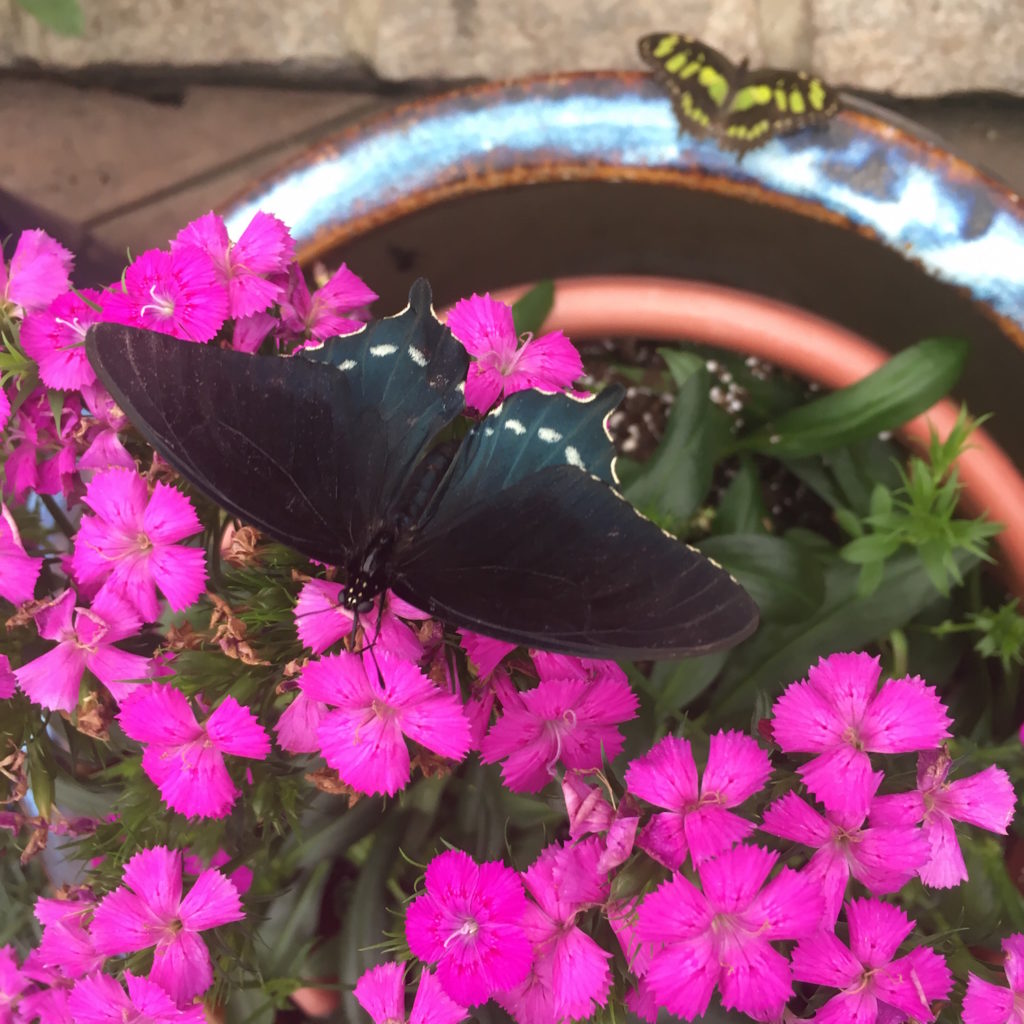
<point>868,232</point>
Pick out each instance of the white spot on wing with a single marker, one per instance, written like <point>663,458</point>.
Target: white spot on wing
<point>417,356</point>
<point>383,350</point>
<point>516,427</point>
<point>548,435</point>
<point>348,364</point>
<point>488,431</point>
<point>572,456</point>
<point>461,387</point>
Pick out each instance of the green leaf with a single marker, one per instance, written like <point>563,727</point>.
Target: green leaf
<point>530,312</point>
<point>681,365</point>
<point>784,579</point>
<point>908,384</point>
<point>679,683</point>
<point>671,485</point>
<point>741,508</point>
<point>61,16</point>
<point>779,653</point>
<point>42,772</point>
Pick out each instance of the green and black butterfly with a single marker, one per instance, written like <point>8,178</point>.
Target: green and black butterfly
<point>740,107</point>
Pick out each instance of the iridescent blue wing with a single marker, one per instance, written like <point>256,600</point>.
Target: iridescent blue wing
<point>316,449</point>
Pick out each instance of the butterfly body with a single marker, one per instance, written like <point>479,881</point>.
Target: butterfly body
<point>515,531</point>
<point>739,106</point>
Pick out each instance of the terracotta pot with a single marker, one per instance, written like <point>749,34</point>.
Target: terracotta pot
<point>870,223</point>
<point>813,348</point>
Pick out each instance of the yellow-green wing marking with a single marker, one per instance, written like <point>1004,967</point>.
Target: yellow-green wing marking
<point>771,101</point>
<point>699,78</point>
<point>741,108</point>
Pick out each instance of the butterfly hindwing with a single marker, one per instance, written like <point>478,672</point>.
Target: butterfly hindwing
<point>770,101</point>
<point>560,561</point>
<point>310,453</point>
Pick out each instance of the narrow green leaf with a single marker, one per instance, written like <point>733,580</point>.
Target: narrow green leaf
<point>41,775</point>
<point>784,579</point>
<point>741,508</point>
<point>530,311</point>
<point>779,653</point>
<point>908,384</point>
<point>61,16</point>
<point>681,364</point>
<point>672,483</point>
<point>678,684</point>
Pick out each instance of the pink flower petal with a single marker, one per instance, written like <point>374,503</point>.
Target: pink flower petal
<point>159,714</point>
<point>192,778</point>
<point>40,270</point>
<point>155,875</point>
<point>906,715</point>
<point>380,991</point>
<point>297,727</point>
<point>235,730</point>
<point>212,901</point>
<point>52,680</point>
<point>756,981</point>
<point>666,775</point>
<point>432,1005</point>
<point>169,516</point>
<point>842,780</point>
<point>368,753</point>
<point>180,573</point>
<point>945,866</point>
<point>986,1003</point>
<point>664,839</point>
<point>791,817</point>
<point>682,977</point>
<point>18,571</point>
<point>182,967</point>
<point>676,911</point>
<point>737,768</point>
<point>822,959</point>
<point>710,830</point>
<point>119,671</point>
<point>986,800</point>
<point>790,906</point>
<point>876,930</point>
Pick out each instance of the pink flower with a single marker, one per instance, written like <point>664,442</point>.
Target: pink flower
<point>299,724</point>
<point>250,332</point>
<point>7,678</point>
<point>986,1003</point>
<point>176,293</point>
<point>567,720</point>
<point>469,920</point>
<point>500,365</point>
<point>322,620</point>
<point>696,820</point>
<point>722,936</point>
<point>185,760</point>
<point>18,571</point>
<point>13,980</point>
<point>570,977</point>
<point>5,408</point>
<point>42,456</point>
<point>882,858</point>
<point>380,700</point>
<point>381,993</point>
<point>872,985</point>
<point>148,910</point>
<point>839,714</point>
<point>84,641</point>
<point>484,651</point>
<point>986,800</point>
<point>55,339</point>
<point>105,449</point>
<point>99,999</point>
<point>131,543</point>
<point>321,315</point>
<point>241,267</point>
<point>39,272</point>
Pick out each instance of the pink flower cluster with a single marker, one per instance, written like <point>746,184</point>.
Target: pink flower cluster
<point>708,888</point>
<point>64,979</point>
<point>728,926</point>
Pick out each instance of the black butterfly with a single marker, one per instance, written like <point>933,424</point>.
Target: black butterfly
<point>516,532</point>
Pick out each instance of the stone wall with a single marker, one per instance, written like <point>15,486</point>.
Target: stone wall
<point>904,47</point>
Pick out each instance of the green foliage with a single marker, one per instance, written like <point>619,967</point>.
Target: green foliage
<point>61,16</point>
<point>920,514</point>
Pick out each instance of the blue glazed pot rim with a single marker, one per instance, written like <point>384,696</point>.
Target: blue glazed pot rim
<point>866,170</point>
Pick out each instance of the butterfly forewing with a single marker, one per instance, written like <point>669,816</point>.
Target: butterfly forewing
<point>409,372</point>
<point>561,562</point>
<point>699,78</point>
<point>310,453</point>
